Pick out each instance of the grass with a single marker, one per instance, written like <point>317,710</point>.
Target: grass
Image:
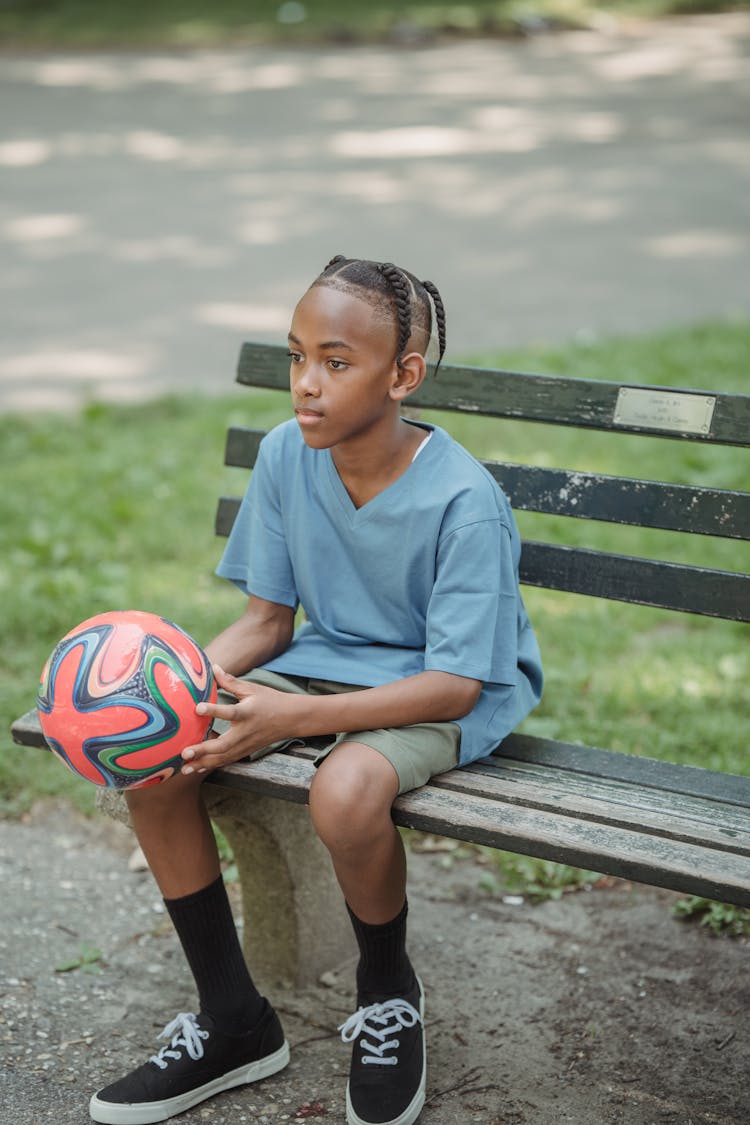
<point>112,508</point>
<point>192,23</point>
<point>722,919</point>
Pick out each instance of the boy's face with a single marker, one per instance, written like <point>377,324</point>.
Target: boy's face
<point>342,367</point>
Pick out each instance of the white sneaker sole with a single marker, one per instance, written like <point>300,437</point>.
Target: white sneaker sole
<point>414,1108</point>
<point>144,1113</point>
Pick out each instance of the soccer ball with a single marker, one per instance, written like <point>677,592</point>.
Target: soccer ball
<point>117,698</point>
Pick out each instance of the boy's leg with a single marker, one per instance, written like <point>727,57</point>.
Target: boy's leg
<point>175,833</point>
<point>350,803</point>
<point>236,1037</point>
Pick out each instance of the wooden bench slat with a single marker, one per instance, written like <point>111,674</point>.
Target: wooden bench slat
<point>26,731</point>
<point>613,850</point>
<point>594,496</point>
<point>625,500</point>
<point>724,827</point>
<point>555,400</point>
<point>689,868</point>
<point>592,761</point>
<point>579,570</point>
<point>651,582</point>
<point>242,445</point>
<point>677,800</point>
<point>226,513</point>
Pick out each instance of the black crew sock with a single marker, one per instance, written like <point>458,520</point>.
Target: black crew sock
<point>384,968</point>
<point>208,935</point>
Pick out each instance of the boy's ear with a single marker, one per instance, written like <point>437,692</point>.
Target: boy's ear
<point>409,376</point>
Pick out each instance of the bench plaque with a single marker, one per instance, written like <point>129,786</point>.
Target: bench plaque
<point>664,410</point>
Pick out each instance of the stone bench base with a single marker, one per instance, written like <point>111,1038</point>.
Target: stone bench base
<point>295,925</point>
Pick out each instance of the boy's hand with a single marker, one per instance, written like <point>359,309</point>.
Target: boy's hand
<point>257,719</point>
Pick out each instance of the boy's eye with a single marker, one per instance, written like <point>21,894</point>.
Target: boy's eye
<point>336,364</point>
<point>294,356</point>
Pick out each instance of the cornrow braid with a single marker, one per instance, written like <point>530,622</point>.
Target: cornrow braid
<point>395,292</point>
<point>402,294</point>
<point>437,300</point>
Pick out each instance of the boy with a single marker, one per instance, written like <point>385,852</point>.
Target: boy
<point>416,655</point>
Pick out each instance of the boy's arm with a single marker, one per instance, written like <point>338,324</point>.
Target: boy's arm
<point>264,630</point>
<point>262,716</point>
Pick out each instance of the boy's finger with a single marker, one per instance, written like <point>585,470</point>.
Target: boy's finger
<point>202,762</point>
<point>225,679</point>
<point>201,749</point>
<point>216,710</point>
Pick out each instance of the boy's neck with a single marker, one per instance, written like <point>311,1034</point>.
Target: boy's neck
<point>368,467</point>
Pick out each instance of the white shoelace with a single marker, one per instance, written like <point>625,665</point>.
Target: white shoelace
<point>381,1021</point>
<point>184,1032</point>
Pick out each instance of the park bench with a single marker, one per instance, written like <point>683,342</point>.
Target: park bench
<point>653,822</point>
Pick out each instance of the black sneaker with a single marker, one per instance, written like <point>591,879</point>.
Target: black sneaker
<point>388,1071</point>
<point>198,1062</point>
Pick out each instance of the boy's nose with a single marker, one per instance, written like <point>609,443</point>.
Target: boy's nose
<point>306,383</point>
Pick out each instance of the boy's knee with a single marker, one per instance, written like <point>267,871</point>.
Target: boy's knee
<point>347,805</point>
<point>334,804</point>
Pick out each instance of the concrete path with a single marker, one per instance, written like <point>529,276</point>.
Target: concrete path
<point>157,209</point>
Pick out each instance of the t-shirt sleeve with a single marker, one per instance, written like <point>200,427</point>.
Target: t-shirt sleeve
<point>472,618</point>
<point>256,557</point>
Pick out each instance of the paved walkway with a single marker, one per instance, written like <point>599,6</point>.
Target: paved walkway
<point>156,209</point>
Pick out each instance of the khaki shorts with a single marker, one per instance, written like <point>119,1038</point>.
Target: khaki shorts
<point>416,752</point>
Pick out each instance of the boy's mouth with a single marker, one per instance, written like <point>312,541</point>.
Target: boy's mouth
<point>304,414</point>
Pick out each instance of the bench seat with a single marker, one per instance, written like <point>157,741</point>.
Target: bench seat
<point>636,818</point>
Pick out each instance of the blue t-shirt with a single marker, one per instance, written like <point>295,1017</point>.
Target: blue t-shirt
<point>422,577</point>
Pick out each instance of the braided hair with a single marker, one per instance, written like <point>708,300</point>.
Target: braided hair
<point>393,291</point>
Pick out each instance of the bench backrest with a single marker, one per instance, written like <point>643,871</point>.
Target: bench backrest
<point>683,415</point>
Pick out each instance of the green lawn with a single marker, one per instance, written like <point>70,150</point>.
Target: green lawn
<point>188,23</point>
<point>113,508</point>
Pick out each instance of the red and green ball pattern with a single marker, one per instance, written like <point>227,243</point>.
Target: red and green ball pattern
<point>117,698</point>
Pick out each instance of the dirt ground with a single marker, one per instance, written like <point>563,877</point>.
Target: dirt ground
<point>598,1009</point>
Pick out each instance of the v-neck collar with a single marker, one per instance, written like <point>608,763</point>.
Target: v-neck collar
<point>355,515</point>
